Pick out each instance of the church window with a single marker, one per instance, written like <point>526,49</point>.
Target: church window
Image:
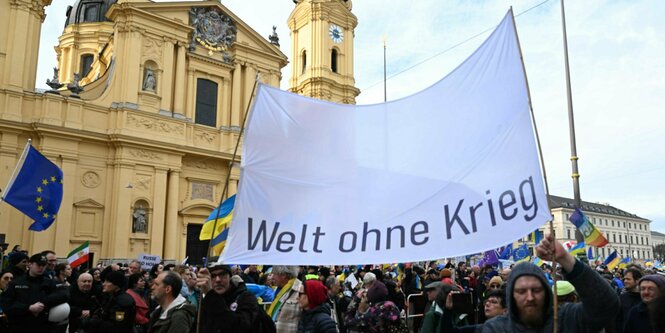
<point>206,103</point>
<point>333,61</point>
<point>304,61</point>
<point>86,64</point>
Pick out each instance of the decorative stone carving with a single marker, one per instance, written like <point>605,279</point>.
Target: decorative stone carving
<point>74,87</point>
<point>140,220</point>
<point>201,165</point>
<point>207,136</point>
<point>55,83</point>
<point>143,183</point>
<point>152,48</point>
<point>202,191</point>
<point>144,154</point>
<point>90,179</point>
<point>212,29</point>
<point>273,38</point>
<point>149,80</point>
<point>153,125</point>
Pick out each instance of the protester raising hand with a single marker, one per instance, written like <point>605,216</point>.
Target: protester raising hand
<point>550,249</point>
<point>203,280</point>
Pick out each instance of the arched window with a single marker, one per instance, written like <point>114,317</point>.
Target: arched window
<point>206,103</point>
<point>86,64</point>
<point>333,60</point>
<point>304,61</point>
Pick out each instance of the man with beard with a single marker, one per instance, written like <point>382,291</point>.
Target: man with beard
<point>83,301</point>
<point>630,295</point>
<point>530,298</point>
<point>174,314</point>
<point>227,305</point>
<point>639,318</point>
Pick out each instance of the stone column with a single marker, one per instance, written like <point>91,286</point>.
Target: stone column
<point>165,88</point>
<point>172,206</point>
<point>158,212</point>
<point>180,76</point>
<point>236,97</point>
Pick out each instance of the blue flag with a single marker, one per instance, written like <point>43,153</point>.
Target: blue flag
<point>521,253</point>
<point>37,189</point>
<point>507,251</point>
<point>489,258</point>
<point>589,253</point>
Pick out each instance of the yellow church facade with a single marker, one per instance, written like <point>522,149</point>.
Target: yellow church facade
<point>145,110</point>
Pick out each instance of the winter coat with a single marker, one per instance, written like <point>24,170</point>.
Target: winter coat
<point>234,311</point>
<point>25,291</point>
<point>178,319</point>
<point>599,303</point>
<point>317,320</point>
<point>628,300</point>
<point>638,320</point>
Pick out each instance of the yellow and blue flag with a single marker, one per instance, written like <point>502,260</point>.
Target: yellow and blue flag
<point>222,215</point>
<point>612,260</point>
<point>37,188</point>
<point>577,248</point>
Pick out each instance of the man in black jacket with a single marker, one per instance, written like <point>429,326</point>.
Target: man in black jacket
<point>630,295</point>
<point>29,298</point>
<point>227,305</point>
<point>118,312</point>
<point>83,301</point>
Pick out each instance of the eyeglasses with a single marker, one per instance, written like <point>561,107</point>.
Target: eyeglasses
<point>495,286</point>
<point>492,301</point>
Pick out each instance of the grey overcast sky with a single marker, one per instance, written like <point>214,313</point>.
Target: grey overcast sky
<point>616,52</point>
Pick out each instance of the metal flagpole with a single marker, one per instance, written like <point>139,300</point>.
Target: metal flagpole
<point>233,159</point>
<point>542,165</point>
<point>571,127</point>
<point>226,188</point>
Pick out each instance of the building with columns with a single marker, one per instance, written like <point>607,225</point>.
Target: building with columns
<point>143,117</point>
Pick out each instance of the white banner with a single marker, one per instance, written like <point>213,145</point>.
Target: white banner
<point>449,171</point>
<point>148,260</point>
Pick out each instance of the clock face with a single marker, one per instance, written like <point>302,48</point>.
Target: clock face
<point>336,33</point>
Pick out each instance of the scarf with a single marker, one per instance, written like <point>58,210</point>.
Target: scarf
<point>280,298</point>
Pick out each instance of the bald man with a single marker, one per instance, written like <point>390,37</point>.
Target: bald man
<point>83,302</point>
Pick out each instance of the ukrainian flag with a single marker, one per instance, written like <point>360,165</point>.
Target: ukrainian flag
<point>612,260</point>
<point>222,215</point>
<point>578,248</point>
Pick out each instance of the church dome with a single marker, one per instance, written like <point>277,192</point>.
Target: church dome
<point>85,11</point>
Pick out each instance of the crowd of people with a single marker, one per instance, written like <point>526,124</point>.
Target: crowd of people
<point>41,295</point>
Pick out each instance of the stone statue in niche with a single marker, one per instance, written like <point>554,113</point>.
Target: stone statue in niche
<point>140,223</point>
<point>149,81</point>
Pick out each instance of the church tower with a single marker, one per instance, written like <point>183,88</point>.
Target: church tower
<point>322,50</point>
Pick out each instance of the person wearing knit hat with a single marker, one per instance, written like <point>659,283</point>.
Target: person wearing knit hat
<point>565,292</point>
<point>495,283</point>
<point>651,287</point>
<point>119,309</point>
<point>315,316</point>
<point>18,263</point>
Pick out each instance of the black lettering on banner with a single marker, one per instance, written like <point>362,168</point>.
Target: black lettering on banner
<point>353,241</point>
<point>508,208</point>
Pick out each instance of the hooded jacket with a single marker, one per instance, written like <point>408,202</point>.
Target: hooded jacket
<point>599,303</point>
<point>178,317</point>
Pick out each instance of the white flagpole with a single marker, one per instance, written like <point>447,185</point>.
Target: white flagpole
<point>18,166</point>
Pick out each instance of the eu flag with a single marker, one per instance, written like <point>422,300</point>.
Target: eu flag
<point>521,253</point>
<point>37,189</point>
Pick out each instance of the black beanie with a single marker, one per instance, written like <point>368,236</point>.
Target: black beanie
<point>16,258</point>
<point>116,277</point>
